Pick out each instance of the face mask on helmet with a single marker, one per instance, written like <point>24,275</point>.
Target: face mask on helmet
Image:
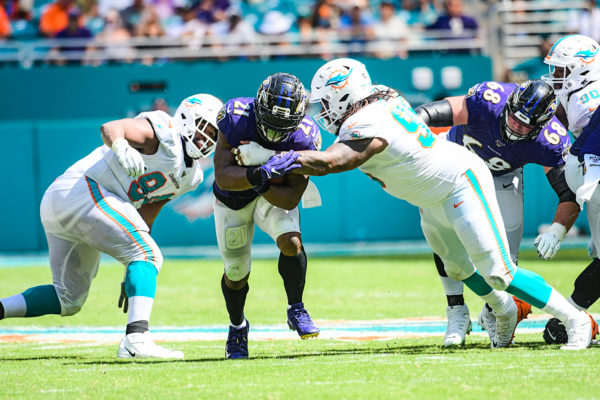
<point>279,107</point>
<point>572,64</point>
<point>338,85</point>
<point>196,121</point>
<point>528,109</point>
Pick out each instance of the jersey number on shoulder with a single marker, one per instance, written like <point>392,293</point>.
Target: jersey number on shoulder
<point>554,137</point>
<point>586,97</point>
<point>411,124</point>
<point>146,184</point>
<point>240,108</point>
<point>490,94</point>
<point>494,163</point>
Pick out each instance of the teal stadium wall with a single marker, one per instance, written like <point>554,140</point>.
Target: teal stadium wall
<point>50,117</point>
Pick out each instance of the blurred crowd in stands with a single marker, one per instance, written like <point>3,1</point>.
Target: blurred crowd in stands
<point>237,22</point>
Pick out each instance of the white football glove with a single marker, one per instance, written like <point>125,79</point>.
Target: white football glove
<point>548,243</point>
<point>130,159</point>
<point>252,154</point>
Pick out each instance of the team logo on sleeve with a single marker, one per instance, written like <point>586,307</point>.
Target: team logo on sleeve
<point>471,91</point>
<point>221,114</point>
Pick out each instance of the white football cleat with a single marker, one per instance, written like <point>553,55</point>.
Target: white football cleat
<point>506,325</point>
<point>487,320</point>
<point>459,325</point>
<point>141,345</point>
<point>579,330</point>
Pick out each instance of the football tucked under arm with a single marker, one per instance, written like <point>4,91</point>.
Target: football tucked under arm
<point>251,154</point>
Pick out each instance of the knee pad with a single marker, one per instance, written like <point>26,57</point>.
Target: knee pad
<point>237,270</point>
<point>457,272</point>
<point>499,282</point>
<point>236,237</point>
<point>70,309</point>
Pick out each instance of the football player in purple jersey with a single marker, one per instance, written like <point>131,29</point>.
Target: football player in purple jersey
<point>263,195</point>
<point>508,126</point>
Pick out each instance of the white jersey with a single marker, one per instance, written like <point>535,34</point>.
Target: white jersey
<point>416,166</point>
<point>581,106</point>
<point>166,175</point>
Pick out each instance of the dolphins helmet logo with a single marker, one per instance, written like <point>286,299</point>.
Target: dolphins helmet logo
<point>338,79</point>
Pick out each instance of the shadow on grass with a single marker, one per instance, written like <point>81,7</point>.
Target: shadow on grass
<point>391,348</point>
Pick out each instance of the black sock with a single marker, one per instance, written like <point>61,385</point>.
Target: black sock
<point>1,311</point>
<point>456,300</point>
<point>587,285</point>
<point>234,301</point>
<point>293,272</point>
<point>137,327</point>
<point>439,264</point>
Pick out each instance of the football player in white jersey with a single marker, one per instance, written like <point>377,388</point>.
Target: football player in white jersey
<point>107,202</point>
<point>380,134</point>
<point>574,62</point>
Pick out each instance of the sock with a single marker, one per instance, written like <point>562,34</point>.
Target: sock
<point>587,286</point>
<point>455,300</point>
<point>532,288</point>
<point>137,327</point>
<point>140,287</point>
<point>13,306</point>
<point>477,284</point>
<point>240,326</point>
<point>559,307</point>
<point>40,300</point>
<point>293,272</point>
<point>497,301</point>
<point>572,302</point>
<point>234,301</point>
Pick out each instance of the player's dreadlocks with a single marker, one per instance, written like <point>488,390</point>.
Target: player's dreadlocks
<point>378,94</point>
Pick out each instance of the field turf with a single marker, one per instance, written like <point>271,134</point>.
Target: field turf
<point>337,289</point>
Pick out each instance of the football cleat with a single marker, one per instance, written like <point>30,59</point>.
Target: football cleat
<point>141,345</point>
<point>487,320</point>
<point>237,342</point>
<point>505,326</point>
<point>459,325</point>
<point>556,333</point>
<point>579,330</point>
<point>299,321</point>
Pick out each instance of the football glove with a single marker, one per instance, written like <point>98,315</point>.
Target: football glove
<point>277,166</point>
<point>123,299</point>
<point>548,243</point>
<point>252,154</point>
<point>130,159</point>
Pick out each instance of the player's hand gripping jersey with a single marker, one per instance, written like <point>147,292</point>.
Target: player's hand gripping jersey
<point>416,166</point>
<point>237,122</point>
<point>482,136</point>
<point>167,174</point>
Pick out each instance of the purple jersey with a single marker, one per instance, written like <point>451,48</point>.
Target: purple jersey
<point>481,134</point>
<point>237,122</point>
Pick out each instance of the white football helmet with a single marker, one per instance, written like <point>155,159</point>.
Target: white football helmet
<point>577,55</point>
<point>338,85</point>
<point>194,114</point>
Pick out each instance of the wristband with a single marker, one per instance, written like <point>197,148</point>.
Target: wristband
<point>254,176</point>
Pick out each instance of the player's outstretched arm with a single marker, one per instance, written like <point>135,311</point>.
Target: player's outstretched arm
<point>548,243</point>
<point>448,112</point>
<point>339,157</point>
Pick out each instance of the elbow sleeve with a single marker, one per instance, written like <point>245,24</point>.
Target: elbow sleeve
<point>556,177</point>
<point>438,113</point>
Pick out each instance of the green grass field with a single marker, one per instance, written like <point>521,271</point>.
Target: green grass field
<point>337,289</point>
